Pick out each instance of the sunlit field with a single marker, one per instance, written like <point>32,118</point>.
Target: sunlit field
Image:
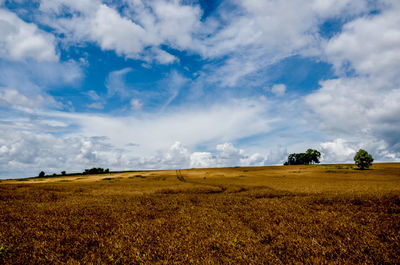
<point>252,215</point>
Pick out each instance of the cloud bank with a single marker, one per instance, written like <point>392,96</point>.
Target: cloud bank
<point>168,84</point>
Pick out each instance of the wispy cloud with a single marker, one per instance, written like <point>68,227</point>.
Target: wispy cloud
<point>115,83</point>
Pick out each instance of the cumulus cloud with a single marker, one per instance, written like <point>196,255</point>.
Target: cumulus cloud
<point>201,160</point>
<point>338,151</point>
<point>140,25</point>
<point>114,32</point>
<point>358,106</point>
<point>226,155</point>
<point>266,30</point>
<point>20,40</point>
<point>177,156</point>
<point>342,151</point>
<point>370,45</point>
<point>73,154</point>
<point>24,153</point>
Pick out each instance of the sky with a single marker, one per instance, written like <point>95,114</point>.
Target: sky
<point>165,84</point>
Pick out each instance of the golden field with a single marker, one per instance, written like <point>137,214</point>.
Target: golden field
<point>245,215</point>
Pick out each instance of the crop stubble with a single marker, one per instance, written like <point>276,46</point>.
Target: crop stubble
<point>280,215</point>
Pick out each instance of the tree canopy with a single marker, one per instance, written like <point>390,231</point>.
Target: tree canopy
<point>362,159</point>
<point>311,156</point>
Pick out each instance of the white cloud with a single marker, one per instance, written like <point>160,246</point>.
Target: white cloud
<point>361,111</point>
<point>95,105</point>
<point>332,8</point>
<point>12,98</point>
<point>58,6</point>
<point>115,83</point>
<point>370,45</point>
<point>37,77</point>
<point>271,29</point>
<point>176,22</point>
<point>233,71</point>
<point>201,160</point>
<point>276,156</point>
<point>73,154</point>
<point>342,151</point>
<point>163,57</point>
<point>227,155</point>
<point>338,151</point>
<point>278,89</point>
<point>276,28</point>
<point>364,108</point>
<point>130,33</point>
<point>24,154</point>
<point>20,40</point>
<point>218,123</point>
<point>176,157</point>
<point>358,106</point>
<point>255,34</point>
<point>93,95</point>
<point>173,85</point>
<point>114,32</point>
<point>136,104</point>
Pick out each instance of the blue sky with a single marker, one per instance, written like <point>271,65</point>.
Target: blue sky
<point>168,84</point>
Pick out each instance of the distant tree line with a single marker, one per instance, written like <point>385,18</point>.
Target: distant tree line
<point>94,170</point>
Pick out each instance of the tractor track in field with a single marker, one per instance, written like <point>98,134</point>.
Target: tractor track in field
<point>181,178</point>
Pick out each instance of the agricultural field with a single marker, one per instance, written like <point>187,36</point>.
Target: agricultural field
<point>244,215</point>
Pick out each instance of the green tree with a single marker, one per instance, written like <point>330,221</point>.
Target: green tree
<point>313,156</point>
<point>362,159</point>
<point>41,174</point>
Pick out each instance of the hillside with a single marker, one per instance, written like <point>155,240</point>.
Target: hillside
<point>280,214</point>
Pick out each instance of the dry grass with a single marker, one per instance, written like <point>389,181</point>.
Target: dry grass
<point>294,214</point>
